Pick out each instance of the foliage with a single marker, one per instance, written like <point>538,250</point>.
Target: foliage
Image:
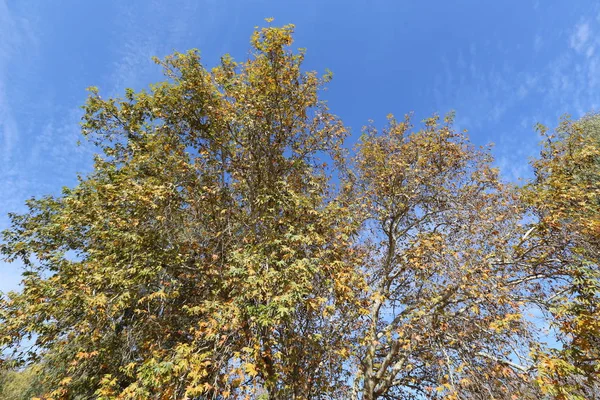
<point>445,315</point>
<point>204,256</point>
<point>21,384</point>
<point>226,245</point>
<point>566,199</point>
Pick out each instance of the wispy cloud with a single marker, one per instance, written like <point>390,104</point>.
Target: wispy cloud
<point>504,101</point>
<point>181,25</point>
<point>12,37</point>
<point>14,33</point>
<point>580,36</point>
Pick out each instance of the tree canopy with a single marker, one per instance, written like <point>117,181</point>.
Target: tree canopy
<point>229,244</point>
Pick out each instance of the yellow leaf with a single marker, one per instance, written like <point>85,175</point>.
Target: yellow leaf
<point>251,369</point>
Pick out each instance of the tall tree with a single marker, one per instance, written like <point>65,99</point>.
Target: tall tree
<point>445,319</point>
<point>204,256</point>
<point>565,201</point>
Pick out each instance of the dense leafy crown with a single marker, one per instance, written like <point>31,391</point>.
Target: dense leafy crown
<point>227,246</point>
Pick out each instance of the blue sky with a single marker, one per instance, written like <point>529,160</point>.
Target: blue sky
<point>501,65</point>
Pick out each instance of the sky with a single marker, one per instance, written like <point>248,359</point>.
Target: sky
<point>502,66</point>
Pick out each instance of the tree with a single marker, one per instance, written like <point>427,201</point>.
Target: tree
<point>21,384</point>
<point>445,317</point>
<point>205,256</point>
<point>565,200</point>
<point>226,245</point>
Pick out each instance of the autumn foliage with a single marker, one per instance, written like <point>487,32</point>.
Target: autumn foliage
<point>229,244</point>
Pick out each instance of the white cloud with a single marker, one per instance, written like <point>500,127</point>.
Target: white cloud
<point>16,34</point>
<point>138,44</point>
<point>11,35</point>
<point>13,32</point>
<point>580,36</point>
<point>504,101</point>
